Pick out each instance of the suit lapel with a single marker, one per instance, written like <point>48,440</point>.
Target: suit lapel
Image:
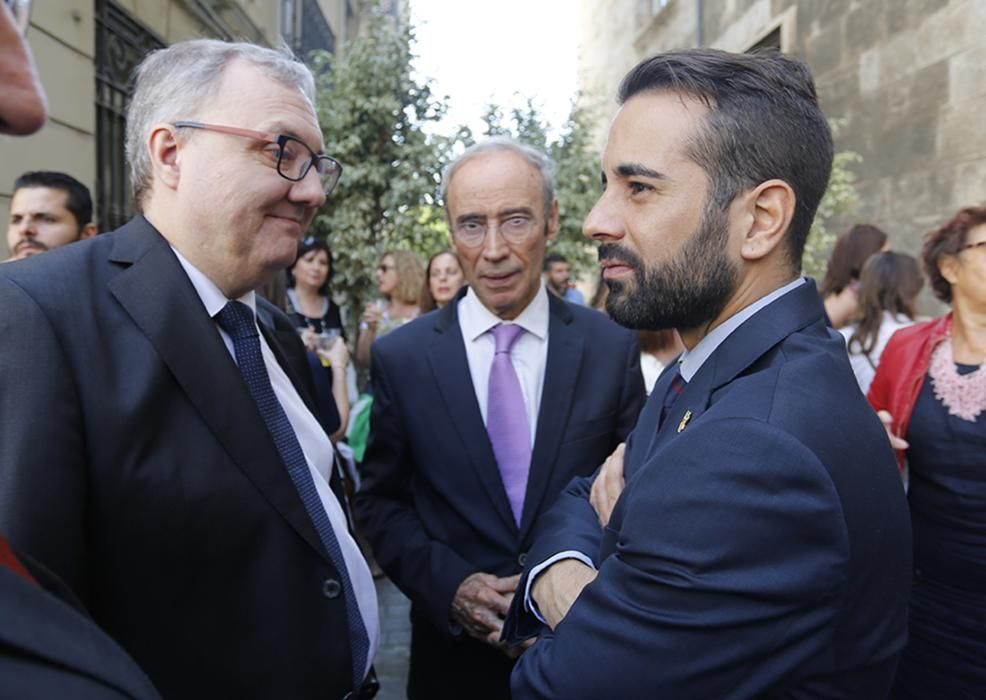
<point>743,347</point>
<point>691,404</point>
<point>37,623</point>
<point>565,345</point>
<point>162,302</point>
<point>447,357</point>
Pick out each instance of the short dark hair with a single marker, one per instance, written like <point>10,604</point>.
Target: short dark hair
<point>849,254</point>
<point>764,123</point>
<point>948,239</point>
<point>552,258</point>
<point>78,200</point>
<point>304,248</point>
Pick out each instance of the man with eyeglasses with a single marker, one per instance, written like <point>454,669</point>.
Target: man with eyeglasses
<point>182,483</point>
<point>482,412</point>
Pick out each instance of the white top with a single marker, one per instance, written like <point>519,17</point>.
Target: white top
<point>529,353</point>
<point>861,366</point>
<point>689,362</point>
<point>651,368</point>
<point>315,444</point>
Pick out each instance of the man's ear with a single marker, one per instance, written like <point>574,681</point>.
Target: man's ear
<point>88,231</point>
<point>553,220</point>
<point>162,146</point>
<point>769,208</point>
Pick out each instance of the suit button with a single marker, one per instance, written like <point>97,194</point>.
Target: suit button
<point>331,588</point>
<point>522,558</point>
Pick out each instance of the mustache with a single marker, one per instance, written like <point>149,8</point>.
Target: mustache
<point>28,243</point>
<point>612,251</point>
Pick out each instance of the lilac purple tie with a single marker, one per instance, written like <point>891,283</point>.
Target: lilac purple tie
<point>506,419</point>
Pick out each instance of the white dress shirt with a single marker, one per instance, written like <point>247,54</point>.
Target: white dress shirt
<point>315,444</point>
<point>529,353</point>
<point>689,363</point>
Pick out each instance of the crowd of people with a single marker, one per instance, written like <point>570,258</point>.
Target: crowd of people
<point>713,481</point>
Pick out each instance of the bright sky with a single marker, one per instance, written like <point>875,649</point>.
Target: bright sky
<point>480,52</point>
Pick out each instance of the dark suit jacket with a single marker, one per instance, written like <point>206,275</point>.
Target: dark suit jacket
<point>50,649</point>
<point>432,502</point>
<point>135,464</point>
<point>761,547</point>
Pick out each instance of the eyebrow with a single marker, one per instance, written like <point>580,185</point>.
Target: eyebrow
<point>527,211</point>
<point>639,170</point>
<point>507,213</point>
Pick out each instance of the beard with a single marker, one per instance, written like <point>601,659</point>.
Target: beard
<point>687,292</point>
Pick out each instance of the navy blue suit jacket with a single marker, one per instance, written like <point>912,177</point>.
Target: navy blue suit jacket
<point>51,649</point>
<point>432,502</point>
<point>136,466</point>
<point>761,547</point>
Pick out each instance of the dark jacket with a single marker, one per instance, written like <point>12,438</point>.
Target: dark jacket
<point>761,547</point>
<point>135,464</point>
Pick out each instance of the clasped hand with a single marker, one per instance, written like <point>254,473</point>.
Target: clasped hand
<point>480,605</point>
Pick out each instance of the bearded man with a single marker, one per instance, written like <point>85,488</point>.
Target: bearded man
<point>752,540</point>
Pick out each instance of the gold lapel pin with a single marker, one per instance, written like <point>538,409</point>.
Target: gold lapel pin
<point>684,420</point>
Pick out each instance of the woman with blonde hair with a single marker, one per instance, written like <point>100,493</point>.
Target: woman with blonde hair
<point>400,275</point>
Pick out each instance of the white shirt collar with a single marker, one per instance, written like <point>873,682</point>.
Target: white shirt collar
<point>475,319</point>
<point>211,296</point>
<point>692,360</point>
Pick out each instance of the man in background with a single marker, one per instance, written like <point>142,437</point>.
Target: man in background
<point>557,275</point>
<point>48,210</point>
<point>482,412</point>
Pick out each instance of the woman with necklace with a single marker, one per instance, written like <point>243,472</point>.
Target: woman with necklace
<point>320,322</point>
<point>930,390</point>
<point>309,302</point>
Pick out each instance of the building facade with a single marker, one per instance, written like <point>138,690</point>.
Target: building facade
<point>908,77</point>
<point>86,51</point>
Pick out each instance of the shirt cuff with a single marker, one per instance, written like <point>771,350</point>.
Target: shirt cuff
<point>529,603</point>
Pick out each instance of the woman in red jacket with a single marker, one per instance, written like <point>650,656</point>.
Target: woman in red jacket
<point>930,389</point>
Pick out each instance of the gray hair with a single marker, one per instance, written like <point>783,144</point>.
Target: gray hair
<point>174,83</point>
<point>541,162</point>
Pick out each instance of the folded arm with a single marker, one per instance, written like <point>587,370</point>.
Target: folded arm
<point>729,555</point>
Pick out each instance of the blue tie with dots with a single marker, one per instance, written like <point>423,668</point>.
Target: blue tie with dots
<point>237,320</point>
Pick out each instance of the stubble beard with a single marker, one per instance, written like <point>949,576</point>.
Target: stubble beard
<point>687,292</point>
